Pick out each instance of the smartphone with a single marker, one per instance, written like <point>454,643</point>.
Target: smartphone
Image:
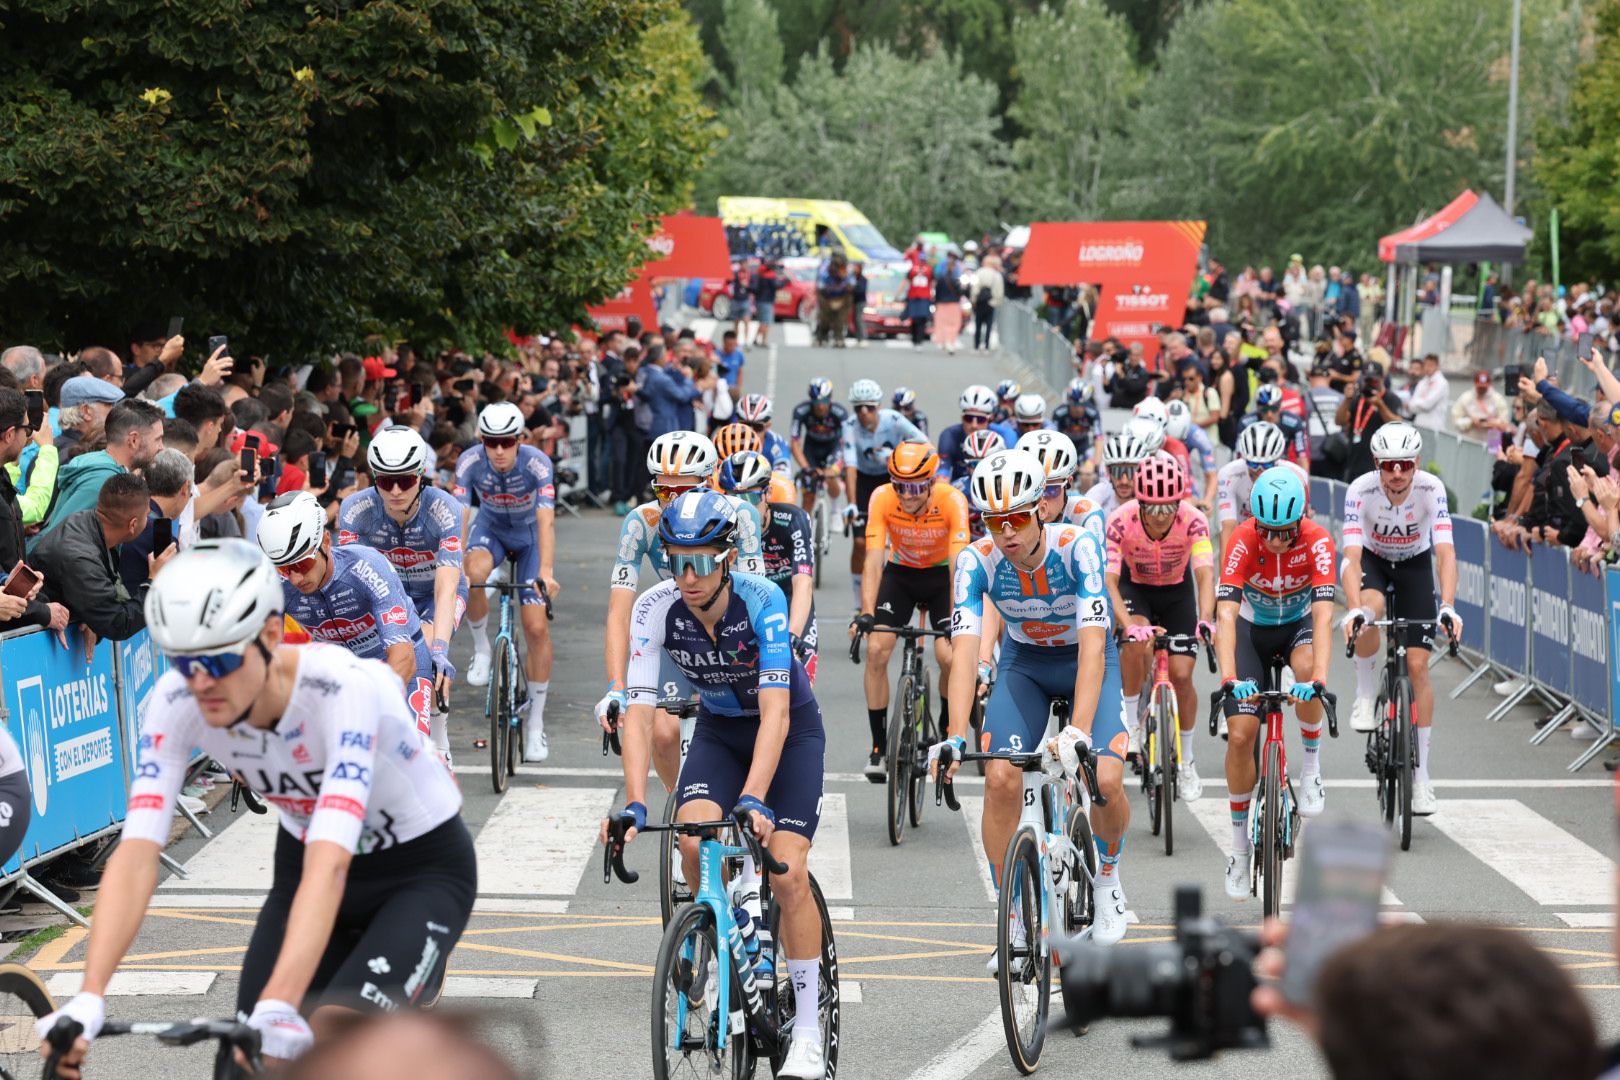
<point>36,408</point>
<point>267,481</point>
<point>216,343</point>
<point>253,439</point>
<point>1510,380</point>
<point>22,580</point>
<point>345,480</point>
<point>176,324</point>
<point>340,430</point>
<point>317,470</point>
<point>162,534</point>
<point>391,398</point>
<point>462,386</point>
<point>250,462</point>
<point>1342,869</point>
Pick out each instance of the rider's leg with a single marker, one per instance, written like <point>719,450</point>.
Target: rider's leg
<point>1242,729</point>
<point>1368,644</point>
<point>478,564</point>
<point>1108,736</point>
<point>1135,661</point>
<point>538,662</point>
<point>942,657</point>
<point>1310,716</point>
<point>1014,722</point>
<point>695,810</point>
<point>879,647</point>
<point>666,747</point>
<point>1181,677</point>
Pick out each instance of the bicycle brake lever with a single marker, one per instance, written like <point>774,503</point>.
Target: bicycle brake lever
<point>764,858</point>
<point>1330,705</point>
<point>610,736</point>
<point>1088,765</point>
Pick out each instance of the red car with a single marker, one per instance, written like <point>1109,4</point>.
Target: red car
<point>795,296</point>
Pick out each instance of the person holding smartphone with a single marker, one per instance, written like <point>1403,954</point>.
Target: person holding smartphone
<point>19,607</point>
<point>168,482</point>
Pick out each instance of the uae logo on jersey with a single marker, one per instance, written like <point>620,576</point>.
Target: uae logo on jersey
<point>396,616</point>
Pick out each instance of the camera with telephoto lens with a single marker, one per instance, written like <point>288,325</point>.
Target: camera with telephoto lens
<point>1201,981</point>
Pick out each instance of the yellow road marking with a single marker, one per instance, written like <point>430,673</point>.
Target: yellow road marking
<point>535,954</point>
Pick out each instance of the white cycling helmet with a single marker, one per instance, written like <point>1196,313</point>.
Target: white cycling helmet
<point>1029,408</point>
<point>1261,443</point>
<point>1399,441</point>
<point>754,409</point>
<point>1124,448</point>
<point>978,399</point>
<point>212,598</point>
<point>1055,451</point>
<point>1177,419</point>
<point>1007,481</point>
<point>682,453</point>
<point>292,527</point>
<point>746,470</point>
<point>501,420</point>
<point>398,449</point>
<point>865,392</point>
<point>1149,430</point>
<point>1150,409</point>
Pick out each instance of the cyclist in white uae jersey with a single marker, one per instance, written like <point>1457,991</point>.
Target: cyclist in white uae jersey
<point>1394,517</point>
<point>374,872</point>
<point>16,801</point>
<point>1259,446</point>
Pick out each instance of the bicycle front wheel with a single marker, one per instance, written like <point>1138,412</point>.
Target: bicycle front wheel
<point>902,742</point>
<point>1271,839</point>
<point>1168,723</point>
<point>1077,912</point>
<point>1152,778</point>
<point>819,537</point>
<point>1404,754</point>
<point>1384,762</point>
<point>23,999</point>
<point>922,738</point>
<point>500,719</point>
<point>1024,967</point>
<point>671,893</point>
<point>686,1012</point>
<point>519,720</point>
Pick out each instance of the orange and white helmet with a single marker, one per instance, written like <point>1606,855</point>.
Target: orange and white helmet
<point>683,453</point>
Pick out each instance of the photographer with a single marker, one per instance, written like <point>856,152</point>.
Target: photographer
<point>1360,415</point>
<point>1132,381</point>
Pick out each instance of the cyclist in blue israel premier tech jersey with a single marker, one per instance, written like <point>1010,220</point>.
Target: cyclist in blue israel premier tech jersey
<point>417,528</point>
<point>870,436</point>
<point>758,746</point>
<point>348,596</point>
<point>516,516</point>
<point>1046,584</point>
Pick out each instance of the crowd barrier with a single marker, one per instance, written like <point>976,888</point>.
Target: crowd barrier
<point>77,722</point>
<point>1494,346</point>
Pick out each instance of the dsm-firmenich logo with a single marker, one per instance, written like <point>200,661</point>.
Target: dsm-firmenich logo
<point>31,708</point>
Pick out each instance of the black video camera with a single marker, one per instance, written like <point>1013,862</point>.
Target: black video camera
<point>1201,981</point>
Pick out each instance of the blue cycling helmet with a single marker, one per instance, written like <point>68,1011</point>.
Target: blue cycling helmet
<point>743,472</point>
<point>821,389</point>
<point>1007,389</point>
<point>1278,498</point>
<point>904,397</point>
<point>1080,391</point>
<point>698,518</point>
<point>1268,397</point>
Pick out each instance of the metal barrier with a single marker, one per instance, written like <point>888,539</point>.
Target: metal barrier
<point>1465,467</point>
<point>1026,336</point>
<point>1495,346</point>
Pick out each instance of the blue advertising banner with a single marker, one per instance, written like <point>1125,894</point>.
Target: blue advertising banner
<point>1612,579</point>
<point>1321,496</point>
<point>1339,491</point>
<point>137,673</point>
<point>64,715</point>
<point>1471,539</point>
<point>1509,605</point>
<point>1549,618</point>
<point>1588,639</point>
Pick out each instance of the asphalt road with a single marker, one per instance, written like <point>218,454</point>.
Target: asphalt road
<point>561,963</point>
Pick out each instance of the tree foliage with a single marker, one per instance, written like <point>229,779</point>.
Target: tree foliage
<point>300,175</point>
<point>1578,168</point>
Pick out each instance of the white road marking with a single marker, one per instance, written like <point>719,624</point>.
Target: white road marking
<point>829,855</point>
<point>64,984</point>
<point>1459,785</point>
<point>495,905</point>
<point>840,912</point>
<point>1588,920</point>
<point>539,840</point>
<point>796,335</point>
<point>973,818</point>
<point>770,371</point>
<point>971,1050</point>
<point>244,863</point>
<point>1540,859</point>
<point>849,993</point>
<point>252,901</point>
<point>542,772</point>
<point>488,986</point>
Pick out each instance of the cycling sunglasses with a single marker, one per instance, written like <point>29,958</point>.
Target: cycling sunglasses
<point>216,665</point>
<point>1285,535</point>
<point>302,566</point>
<point>499,442</point>
<point>1122,472</point>
<point>866,408</point>
<point>1159,509</point>
<point>1256,467</point>
<point>1052,491</point>
<point>396,483</point>
<point>912,488</point>
<point>974,420</point>
<point>667,494</point>
<point>701,565</point>
<point>1397,467</point>
<point>1018,520</point>
<point>752,498</point>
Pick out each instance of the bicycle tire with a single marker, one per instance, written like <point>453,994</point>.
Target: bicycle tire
<point>897,790</point>
<point>1384,762</point>
<point>517,726</point>
<point>976,726</point>
<point>1029,968</point>
<point>500,720</point>
<point>1271,846</point>
<point>671,897</point>
<point>818,537</point>
<point>831,1004</point>
<point>19,1048</point>
<point>677,973</point>
<point>1404,756</point>
<point>1168,722</point>
<point>1152,781</point>
<point>1078,913</point>
<point>923,737</point>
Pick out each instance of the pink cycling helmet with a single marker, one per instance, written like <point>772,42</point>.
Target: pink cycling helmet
<point>1159,479</point>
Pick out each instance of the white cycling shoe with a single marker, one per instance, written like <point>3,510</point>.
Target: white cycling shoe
<point>478,670</point>
<point>1108,913</point>
<point>535,747</point>
<point>1363,716</point>
<point>1189,785</point>
<point>805,1060</point>
<point>1312,795</point>
<point>1239,883</point>
<point>1423,800</point>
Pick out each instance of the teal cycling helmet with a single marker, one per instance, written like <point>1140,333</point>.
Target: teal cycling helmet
<point>1278,498</point>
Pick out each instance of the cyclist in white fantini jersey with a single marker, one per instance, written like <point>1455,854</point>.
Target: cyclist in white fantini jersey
<point>374,872</point>
<point>1397,531</point>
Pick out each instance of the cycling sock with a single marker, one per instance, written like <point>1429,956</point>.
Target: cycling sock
<point>480,632</point>
<point>1421,773</point>
<point>438,725</point>
<point>1130,709</point>
<point>1108,860</point>
<point>855,582</point>
<point>944,715</point>
<point>806,976</point>
<point>1367,676</point>
<point>1187,755</point>
<point>537,700</point>
<point>879,719</point>
<point>1312,738</point>
<point>1240,823</point>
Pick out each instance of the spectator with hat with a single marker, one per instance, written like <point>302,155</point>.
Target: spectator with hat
<point>1480,409</point>
<point>85,401</point>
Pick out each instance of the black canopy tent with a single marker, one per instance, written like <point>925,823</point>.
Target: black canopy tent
<point>1485,233</point>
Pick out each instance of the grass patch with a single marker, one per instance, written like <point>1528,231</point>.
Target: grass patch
<point>44,936</point>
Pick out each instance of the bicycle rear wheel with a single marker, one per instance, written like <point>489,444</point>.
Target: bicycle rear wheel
<point>1166,765</point>
<point>518,725</point>
<point>1384,761</point>
<point>500,719</point>
<point>923,738</point>
<point>1024,967</point>
<point>1271,838</point>
<point>686,1015</point>
<point>23,999</point>
<point>1403,754</point>
<point>783,1003</point>
<point>1077,912</point>
<point>902,741</point>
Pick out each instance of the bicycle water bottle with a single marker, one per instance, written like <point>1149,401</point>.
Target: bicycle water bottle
<point>747,929</point>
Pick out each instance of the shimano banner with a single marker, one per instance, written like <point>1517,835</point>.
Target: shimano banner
<point>1509,608</point>
<point>1588,639</point>
<point>1549,618</point>
<point>1472,540</point>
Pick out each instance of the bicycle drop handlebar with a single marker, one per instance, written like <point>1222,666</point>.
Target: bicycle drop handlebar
<point>1274,700</point>
<point>613,854</point>
<point>1396,626</point>
<point>546,599</point>
<point>677,706</point>
<point>945,790</point>
<point>232,1037</point>
<point>910,633</point>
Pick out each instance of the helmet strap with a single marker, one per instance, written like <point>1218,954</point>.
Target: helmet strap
<point>725,580</point>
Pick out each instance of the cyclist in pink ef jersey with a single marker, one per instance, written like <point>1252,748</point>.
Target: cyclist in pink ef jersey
<point>1158,547</point>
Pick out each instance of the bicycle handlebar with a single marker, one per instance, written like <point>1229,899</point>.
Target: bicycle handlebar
<point>1397,625</point>
<point>231,1036</point>
<point>546,599</point>
<point>610,734</point>
<point>945,790</point>
<point>613,853</point>
<point>1276,699</point>
<point>908,633</point>
<point>248,795</point>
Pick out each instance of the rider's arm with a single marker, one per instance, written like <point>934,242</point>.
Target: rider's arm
<point>964,677</point>
<point>1445,555</point>
<point>1203,566</point>
<point>1091,623</point>
<point>877,546</point>
<point>617,647</point>
<point>991,635</point>
<point>128,881</point>
<point>1322,565</point>
<point>545,519</point>
<point>1228,600</point>
<point>1088,675</point>
<point>1115,562</point>
<point>1226,615</point>
<point>641,684</point>
<point>956,520</point>
<point>446,584</point>
<point>798,452</point>
<point>969,582</point>
<point>310,920</point>
<point>1445,571</point>
<point>402,658</point>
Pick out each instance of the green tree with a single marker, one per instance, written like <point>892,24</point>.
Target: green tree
<point>750,49</point>
<point>299,176</point>
<point>1150,22</point>
<point>1578,166</point>
<point>1066,120</point>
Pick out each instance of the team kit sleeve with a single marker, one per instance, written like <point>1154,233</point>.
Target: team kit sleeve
<point>1439,514</point>
<point>351,756</point>
<point>634,538</point>
<point>1087,567</point>
<point>1114,538</point>
<point>1235,569</point>
<point>1200,549</point>
<point>1350,530</point>
<point>799,536</point>
<point>349,514</point>
<point>1226,492</point>
<point>541,473</point>
<point>392,606</point>
<point>167,735</point>
<point>847,444</point>
<point>448,552</point>
<point>768,611</point>
<point>647,644</point>
<point>877,517</point>
<point>466,465</point>
<point>1323,563</point>
<point>956,520</point>
<point>969,583</point>
<point>750,544</point>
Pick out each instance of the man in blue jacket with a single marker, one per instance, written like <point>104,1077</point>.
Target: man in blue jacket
<point>669,392</point>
